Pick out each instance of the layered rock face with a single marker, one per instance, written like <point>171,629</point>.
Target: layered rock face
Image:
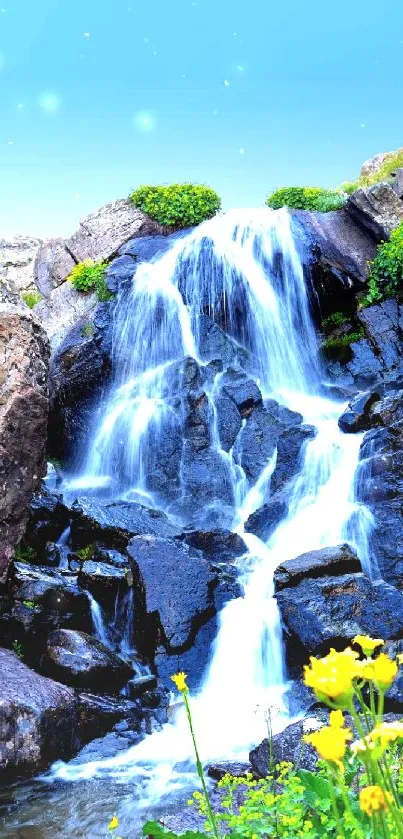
<point>23,421</point>
<point>17,264</point>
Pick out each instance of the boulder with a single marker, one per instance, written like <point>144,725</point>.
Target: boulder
<point>321,563</point>
<point>38,719</point>
<point>24,351</point>
<point>98,713</point>
<point>290,450</point>
<point>357,416</point>
<point>104,581</point>
<point>287,746</point>
<point>17,259</point>
<point>53,263</point>
<point>374,164</point>
<point>115,523</point>
<point>397,184</point>
<point>265,519</point>
<point>330,611</point>
<point>177,592</point>
<point>48,518</point>
<point>82,661</point>
<point>376,209</point>
<point>220,546</point>
<point>62,309</point>
<point>101,234</point>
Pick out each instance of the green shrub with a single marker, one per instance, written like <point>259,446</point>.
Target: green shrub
<point>343,340</point>
<point>178,205</point>
<point>334,320</point>
<point>17,649</point>
<point>31,298</point>
<point>306,198</point>
<point>386,270</point>
<point>23,553</point>
<point>90,276</point>
<point>384,173</point>
<point>86,553</point>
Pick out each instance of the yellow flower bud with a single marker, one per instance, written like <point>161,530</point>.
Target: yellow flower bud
<point>180,681</point>
<point>367,644</point>
<point>373,799</point>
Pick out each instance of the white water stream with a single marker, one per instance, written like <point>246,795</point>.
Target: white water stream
<point>245,266</point>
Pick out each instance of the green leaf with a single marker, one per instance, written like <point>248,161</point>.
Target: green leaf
<point>156,829</point>
<point>315,785</point>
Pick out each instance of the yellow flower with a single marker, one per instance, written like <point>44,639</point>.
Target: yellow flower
<point>387,732</point>
<point>400,658</point>
<point>385,671</point>
<point>367,644</point>
<point>114,823</point>
<point>331,677</point>
<point>336,719</point>
<point>365,746</point>
<point>373,799</point>
<point>330,742</point>
<point>180,681</point>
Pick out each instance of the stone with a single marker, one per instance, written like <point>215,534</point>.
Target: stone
<point>290,449</point>
<point>329,611</point>
<point>54,594</point>
<point>53,264</point>
<point>336,252</point>
<point>373,165</point>
<point>48,519</point>
<point>377,209</point>
<point>17,259</point>
<point>177,592</point>
<point>321,563</point>
<point>101,234</point>
<point>242,390</point>
<point>104,581</point>
<point>98,713</point>
<point>265,519</point>
<point>229,421</point>
<point>233,768</point>
<point>287,746</point>
<point>357,416</point>
<point>38,719</point>
<point>397,183</point>
<point>62,309</point>
<point>115,523</point>
<point>24,407</point>
<point>220,546</point>
<point>256,442</point>
<point>82,661</point>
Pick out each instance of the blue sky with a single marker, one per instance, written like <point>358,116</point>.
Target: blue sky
<point>99,96</point>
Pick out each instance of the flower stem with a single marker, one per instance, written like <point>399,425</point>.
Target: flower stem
<point>199,766</point>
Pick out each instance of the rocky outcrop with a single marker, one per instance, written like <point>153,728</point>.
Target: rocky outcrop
<point>377,209</point>
<point>60,312</point>
<point>38,719</point>
<point>321,563</point>
<point>373,165</point>
<point>23,421</point>
<point>328,611</point>
<point>287,746</point>
<point>357,416</point>
<point>17,261</point>
<point>82,661</point>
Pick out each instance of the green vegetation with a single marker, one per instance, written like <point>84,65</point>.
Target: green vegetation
<point>356,791</point>
<point>29,604</point>
<point>23,553</point>
<point>306,198</point>
<point>178,205</point>
<point>334,320</point>
<point>86,553</point>
<point>342,341</point>
<point>386,270</point>
<point>31,298</point>
<point>395,161</point>
<point>89,276</point>
<point>88,330</point>
<point>17,649</point>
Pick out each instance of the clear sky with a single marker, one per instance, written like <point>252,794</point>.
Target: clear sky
<point>100,96</point>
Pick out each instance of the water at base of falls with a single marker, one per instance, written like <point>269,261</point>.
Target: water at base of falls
<point>243,271</point>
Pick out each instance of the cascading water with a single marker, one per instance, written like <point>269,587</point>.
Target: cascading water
<point>241,270</point>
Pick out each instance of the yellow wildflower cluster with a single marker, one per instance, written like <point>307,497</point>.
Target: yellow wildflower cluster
<point>373,799</point>
<point>332,677</point>
<point>374,744</point>
<point>330,741</point>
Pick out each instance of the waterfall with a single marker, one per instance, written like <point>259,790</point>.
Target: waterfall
<point>98,621</point>
<point>243,271</point>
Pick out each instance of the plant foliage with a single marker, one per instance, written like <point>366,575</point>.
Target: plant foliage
<point>177,205</point>
<point>31,298</point>
<point>90,276</point>
<point>306,198</point>
<point>384,173</point>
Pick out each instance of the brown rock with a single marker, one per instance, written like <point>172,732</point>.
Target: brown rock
<point>24,351</point>
<point>38,719</point>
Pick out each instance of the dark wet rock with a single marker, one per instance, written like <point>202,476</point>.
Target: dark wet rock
<point>82,661</point>
<point>119,273</point>
<point>383,326</point>
<point>110,556</point>
<point>321,563</point>
<point>236,770</point>
<point>290,448</point>
<point>140,685</point>
<point>177,591</point>
<point>115,523</point>
<point>365,365</point>
<point>242,390</point>
<point>197,425</point>
<point>257,441</point>
<point>208,496</point>
<point>48,518</point>
<point>229,421</point>
<point>24,403</point>
<point>298,699</point>
<point>376,209</point>
<point>287,746</point>
<point>98,714</point>
<point>55,593</point>
<point>38,719</point>
<point>106,747</point>
<point>56,556</point>
<point>215,343</point>
<point>217,545</point>
<point>104,581</point>
<point>264,521</point>
<point>330,611</point>
<point>337,254</point>
<point>357,416</point>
